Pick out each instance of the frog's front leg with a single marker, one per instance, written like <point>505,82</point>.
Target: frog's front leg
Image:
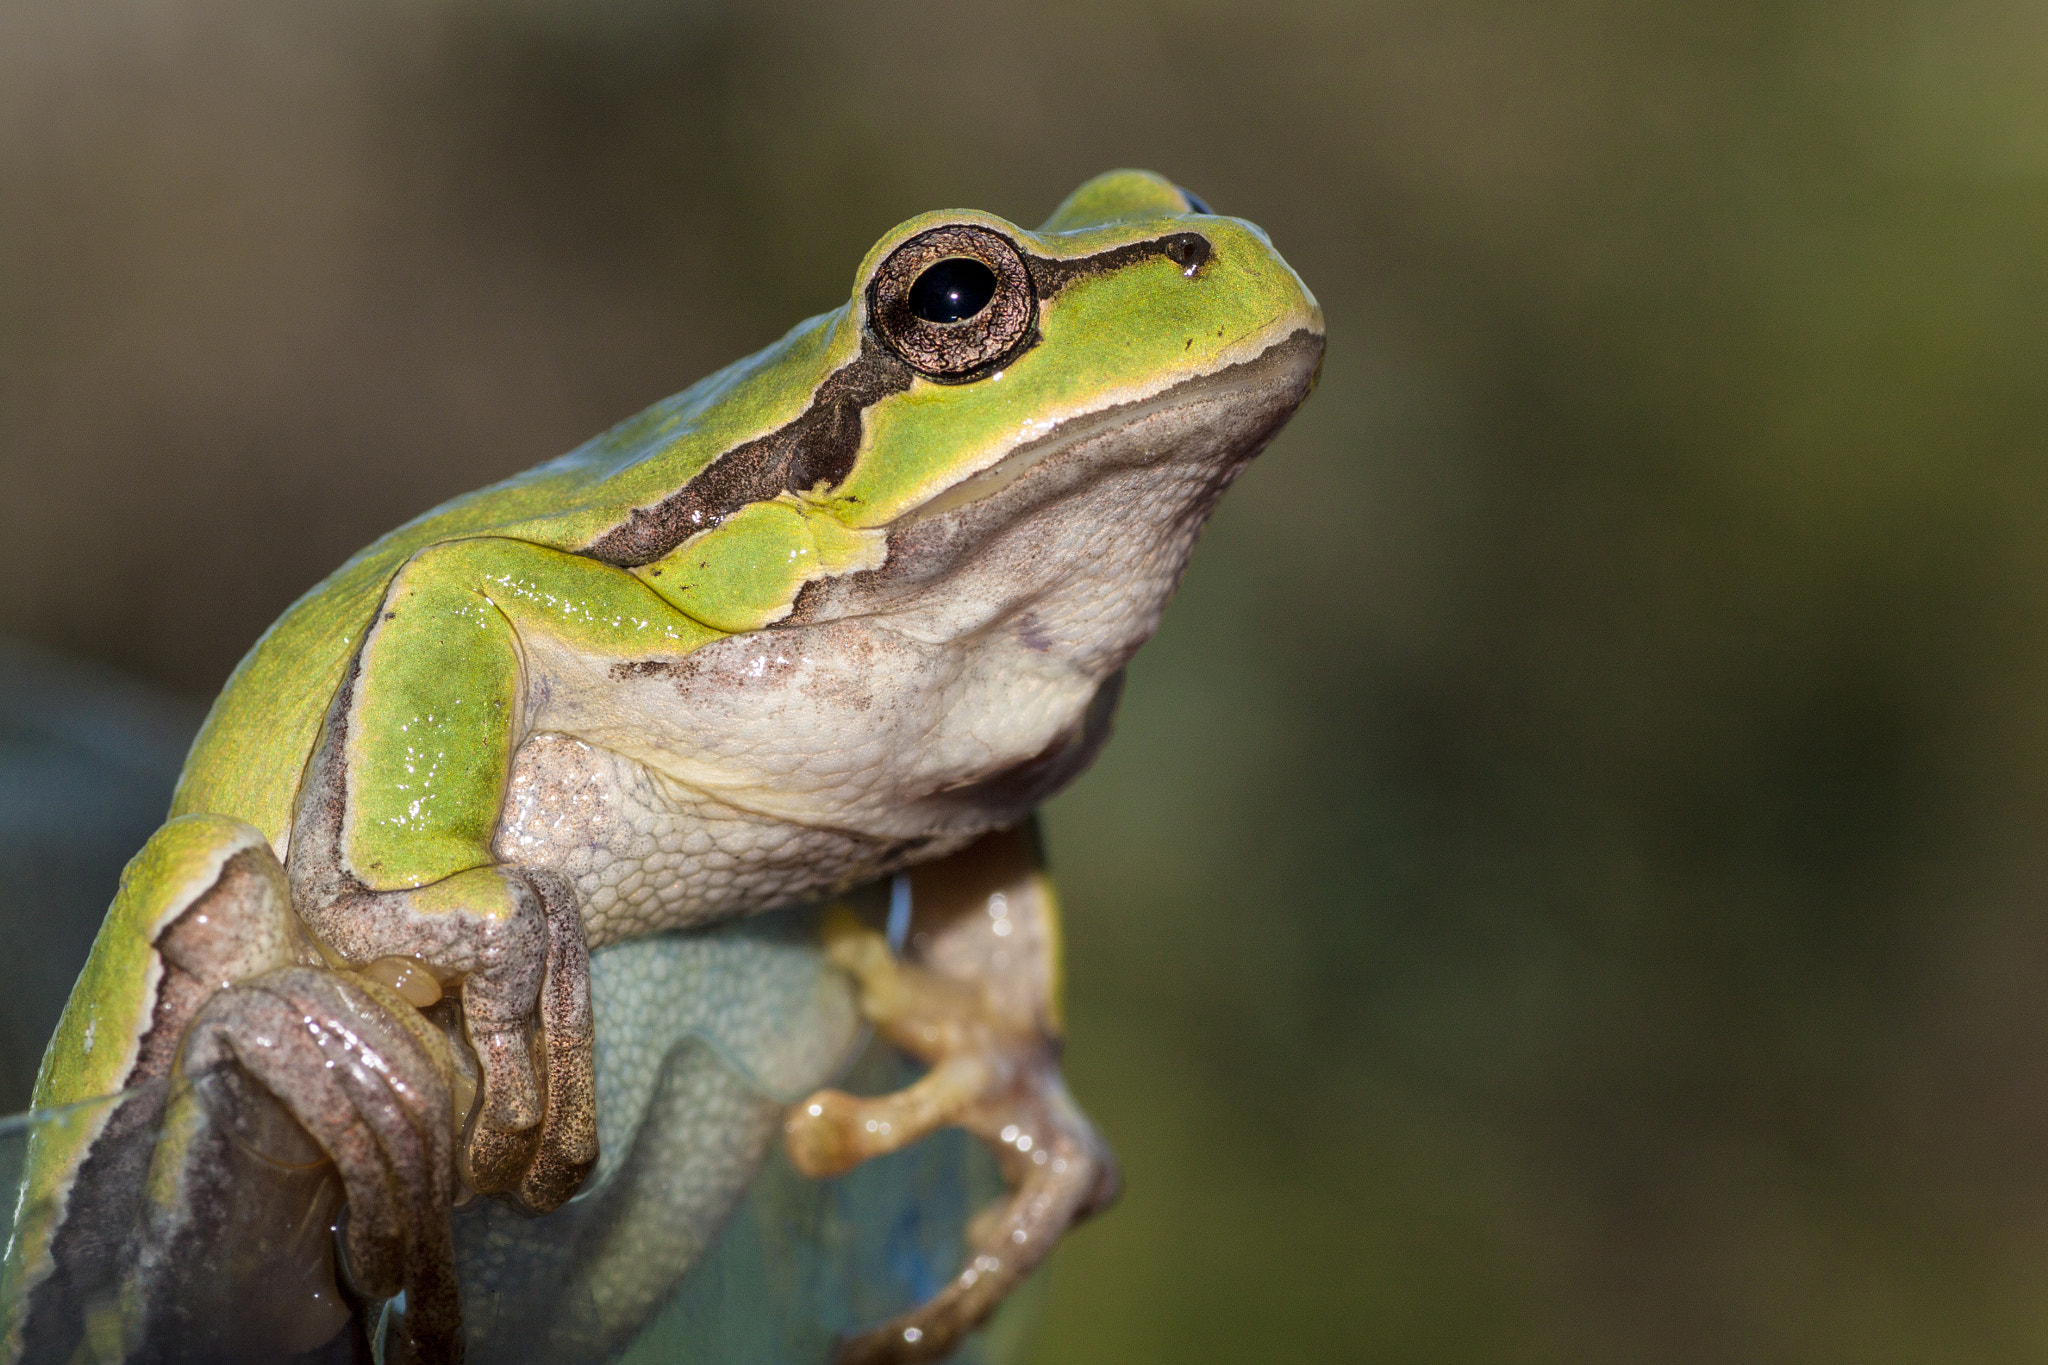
<point>391,842</point>
<point>980,1004</point>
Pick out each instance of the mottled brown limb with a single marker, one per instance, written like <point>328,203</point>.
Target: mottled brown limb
<point>567,1043</point>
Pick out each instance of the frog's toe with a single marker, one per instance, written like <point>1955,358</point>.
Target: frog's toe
<point>534,1133</point>
<point>832,1132</point>
<point>492,1158</point>
<point>511,1095</point>
<point>503,1133</point>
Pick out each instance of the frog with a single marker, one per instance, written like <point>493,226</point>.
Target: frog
<point>850,608</point>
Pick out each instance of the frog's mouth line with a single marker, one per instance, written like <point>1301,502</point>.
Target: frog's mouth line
<point>1297,358</point>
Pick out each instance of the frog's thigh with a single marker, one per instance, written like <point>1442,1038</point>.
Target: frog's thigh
<point>391,843</point>
<point>978,1000</point>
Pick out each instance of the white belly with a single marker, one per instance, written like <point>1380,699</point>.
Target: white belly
<point>646,855</point>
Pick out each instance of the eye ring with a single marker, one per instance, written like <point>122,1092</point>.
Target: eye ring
<point>954,302</point>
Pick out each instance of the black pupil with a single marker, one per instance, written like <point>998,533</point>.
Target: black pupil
<point>953,290</point>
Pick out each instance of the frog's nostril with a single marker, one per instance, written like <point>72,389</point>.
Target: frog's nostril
<point>953,290</point>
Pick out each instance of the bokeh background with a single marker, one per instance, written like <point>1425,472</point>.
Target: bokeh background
<point>1569,885</point>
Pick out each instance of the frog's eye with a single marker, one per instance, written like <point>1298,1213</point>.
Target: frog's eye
<point>1196,204</point>
<point>954,302</point>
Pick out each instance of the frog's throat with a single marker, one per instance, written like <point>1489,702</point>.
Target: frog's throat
<point>1278,378</point>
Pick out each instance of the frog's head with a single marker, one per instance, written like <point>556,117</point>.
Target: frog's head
<point>1002,424</point>
<point>1052,414</point>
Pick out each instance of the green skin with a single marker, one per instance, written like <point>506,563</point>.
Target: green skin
<point>368,739</point>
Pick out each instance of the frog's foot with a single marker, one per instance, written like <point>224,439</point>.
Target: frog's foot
<point>368,1079</point>
<point>979,1008</point>
<point>514,939</point>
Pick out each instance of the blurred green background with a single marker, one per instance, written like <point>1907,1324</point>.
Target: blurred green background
<point>1571,881</point>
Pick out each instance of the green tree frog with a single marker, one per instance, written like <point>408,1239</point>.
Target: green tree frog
<point>854,604</point>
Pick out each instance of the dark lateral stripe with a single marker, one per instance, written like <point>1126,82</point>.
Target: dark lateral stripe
<point>820,444</point>
<point>1049,274</point>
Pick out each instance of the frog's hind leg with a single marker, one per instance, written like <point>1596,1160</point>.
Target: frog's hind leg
<point>979,1004</point>
<point>241,1199</point>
